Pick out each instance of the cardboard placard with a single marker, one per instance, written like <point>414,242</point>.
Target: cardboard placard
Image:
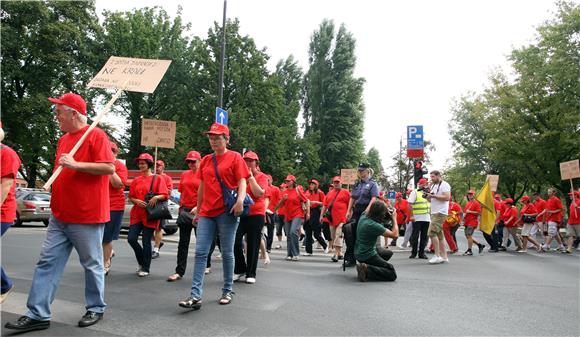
<point>158,133</point>
<point>348,176</point>
<point>570,169</point>
<point>140,75</point>
<point>493,182</point>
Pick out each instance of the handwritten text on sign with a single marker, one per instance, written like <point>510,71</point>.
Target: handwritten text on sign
<point>348,176</point>
<point>131,74</point>
<point>570,169</point>
<point>493,182</point>
<point>158,133</point>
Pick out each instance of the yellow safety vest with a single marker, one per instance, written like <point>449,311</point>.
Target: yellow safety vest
<point>421,205</point>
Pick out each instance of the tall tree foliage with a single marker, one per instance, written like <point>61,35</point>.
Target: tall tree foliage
<point>522,129</point>
<point>333,106</point>
<point>48,48</point>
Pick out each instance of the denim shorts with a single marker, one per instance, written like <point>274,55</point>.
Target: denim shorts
<point>113,227</point>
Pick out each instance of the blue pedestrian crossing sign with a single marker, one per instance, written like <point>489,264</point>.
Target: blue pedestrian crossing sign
<point>415,137</point>
<point>221,116</point>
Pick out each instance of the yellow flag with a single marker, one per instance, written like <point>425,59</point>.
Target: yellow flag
<point>485,198</point>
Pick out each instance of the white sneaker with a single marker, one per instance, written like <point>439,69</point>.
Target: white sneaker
<point>267,260</point>
<point>288,258</point>
<point>436,260</point>
<point>207,271</point>
<point>237,277</point>
<point>295,258</point>
<point>250,280</point>
<point>306,254</point>
<point>142,273</point>
<point>326,250</point>
<point>278,246</point>
<point>446,260</point>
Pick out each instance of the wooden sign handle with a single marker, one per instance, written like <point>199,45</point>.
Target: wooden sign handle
<point>80,142</point>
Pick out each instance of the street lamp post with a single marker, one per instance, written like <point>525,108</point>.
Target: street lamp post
<point>222,61</point>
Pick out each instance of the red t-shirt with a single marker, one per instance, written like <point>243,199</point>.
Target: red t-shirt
<point>340,206</point>
<point>528,209</point>
<point>259,206</point>
<point>318,196</point>
<point>9,165</point>
<point>231,168</point>
<point>504,208</point>
<point>79,197</point>
<point>574,218</point>
<point>470,220</point>
<point>511,212</point>
<point>274,195</point>
<point>540,206</point>
<point>168,181</point>
<point>138,190</point>
<point>117,195</point>
<point>293,205</point>
<point>403,212</point>
<point>553,204</point>
<point>188,186</point>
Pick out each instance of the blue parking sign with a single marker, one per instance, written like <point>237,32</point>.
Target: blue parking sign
<point>415,137</point>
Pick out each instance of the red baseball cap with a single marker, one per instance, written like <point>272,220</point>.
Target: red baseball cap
<point>144,156</point>
<point>193,155</point>
<point>314,181</point>
<point>509,201</point>
<point>525,198</point>
<point>71,100</point>
<point>575,193</point>
<point>423,181</point>
<point>160,163</point>
<point>398,195</point>
<point>290,178</point>
<point>471,192</point>
<point>251,155</point>
<point>337,178</point>
<point>218,129</point>
<point>498,195</point>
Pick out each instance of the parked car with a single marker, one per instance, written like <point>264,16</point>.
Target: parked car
<point>171,227</point>
<point>32,205</point>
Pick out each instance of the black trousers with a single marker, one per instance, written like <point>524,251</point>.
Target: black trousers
<point>378,267</point>
<point>270,226</point>
<point>313,227</point>
<point>356,213</point>
<point>142,254</point>
<point>491,239</point>
<point>419,232</point>
<point>183,246</point>
<point>251,227</point>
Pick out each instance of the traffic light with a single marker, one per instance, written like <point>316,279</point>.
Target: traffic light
<point>418,171</point>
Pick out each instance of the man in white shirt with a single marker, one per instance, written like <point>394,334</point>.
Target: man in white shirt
<point>439,197</point>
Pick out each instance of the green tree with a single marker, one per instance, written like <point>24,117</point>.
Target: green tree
<point>333,104</point>
<point>48,48</point>
<point>380,176</point>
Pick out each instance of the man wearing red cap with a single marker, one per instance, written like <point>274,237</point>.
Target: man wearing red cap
<point>403,218</point>
<point>421,218</point>
<point>540,226</point>
<point>9,165</point>
<point>553,212</point>
<point>573,228</point>
<point>510,225</point>
<point>528,215</point>
<point>160,167</point>
<point>472,210</point>
<point>117,183</point>
<point>80,209</point>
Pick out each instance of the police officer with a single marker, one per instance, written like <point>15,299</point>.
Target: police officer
<point>364,193</point>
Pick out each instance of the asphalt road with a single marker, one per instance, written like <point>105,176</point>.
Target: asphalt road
<point>502,294</point>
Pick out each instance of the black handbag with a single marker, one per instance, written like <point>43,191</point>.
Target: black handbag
<point>328,211</point>
<point>528,219</point>
<point>161,209</point>
<point>231,196</point>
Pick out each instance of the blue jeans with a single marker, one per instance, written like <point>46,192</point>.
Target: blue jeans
<point>226,226</point>
<point>56,248</point>
<point>142,254</point>
<point>292,238</point>
<point>6,281</point>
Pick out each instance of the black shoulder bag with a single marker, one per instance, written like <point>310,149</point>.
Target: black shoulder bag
<point>328,212</point>
<point>160,210</point>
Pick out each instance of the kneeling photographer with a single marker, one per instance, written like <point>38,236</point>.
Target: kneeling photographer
<point>372,260</point>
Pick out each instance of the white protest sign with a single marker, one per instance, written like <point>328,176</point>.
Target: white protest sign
<point>158,133</point>
<point>493,182</point>
<point>131,74</point>
<point>570,169</point>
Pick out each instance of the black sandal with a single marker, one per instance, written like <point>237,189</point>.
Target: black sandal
<point>191,303</point>
<point>226,298</point>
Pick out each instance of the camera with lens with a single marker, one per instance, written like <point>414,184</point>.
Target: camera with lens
<point>388,218</point>
<point>424,190</point>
